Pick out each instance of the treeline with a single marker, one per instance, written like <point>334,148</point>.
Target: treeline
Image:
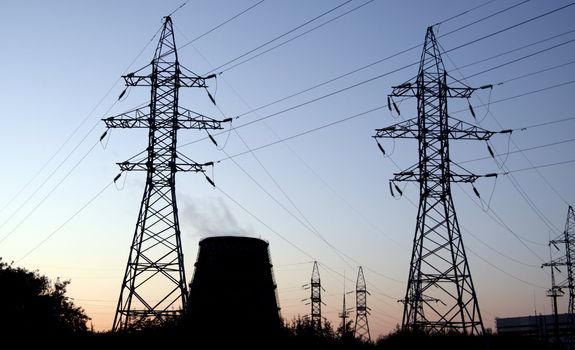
<point>34,309</point>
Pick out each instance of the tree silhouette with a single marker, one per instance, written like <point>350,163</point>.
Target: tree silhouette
<point>30,303</point>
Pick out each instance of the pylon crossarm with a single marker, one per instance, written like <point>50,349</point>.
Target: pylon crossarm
<point>144,166</point>
<point>407,89</point>
<point>148,80</point>
<point>406,129</point>
<point>188,119</point>
<point>137,118</point>
<point>461,130</point>
<point>460,92</point>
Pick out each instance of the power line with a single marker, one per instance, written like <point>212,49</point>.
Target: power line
<point>520,59</point>
<point>179,7</point>
<point>516,49</point>
<point>533,167</point>
<point>280,36</point>
<point>505,272</point>
<point>48,194</point>
<point>348,88</point>
<point>41,169</point>
<point>65,222</point>
<point>467,230</point>
<point>465,12</point>
<point>372,63</point>
<point>511,27</point>
<point>484,18</point>
<point>255,217</point>
<point>357,115</point>
<point>534,73</point>
<point>512,179</point>
<point>519,150</point>
<point>221,24</point>
<point>297,36</point>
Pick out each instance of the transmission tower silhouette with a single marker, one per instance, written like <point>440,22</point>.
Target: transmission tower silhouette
<point>440,295</point>
<point>361,310</point>
<point>315,297</point>
<point>154,285</point>
<point>344,315</point>
<point>565,243</point>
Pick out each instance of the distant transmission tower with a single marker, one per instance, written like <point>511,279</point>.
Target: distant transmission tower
<point>315,297</point>
<point>566,243</point>
<point>344,315</point>
<point>361,325</point>
<point>154,286</point>
<point>440,295</point>
<point>554,292</point>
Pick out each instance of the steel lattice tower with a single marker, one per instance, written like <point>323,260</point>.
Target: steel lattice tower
<point>440,295</point>
<point>315,297</point>
<point>154,286</point>
<point>567,240</point>
<point>361,325</point>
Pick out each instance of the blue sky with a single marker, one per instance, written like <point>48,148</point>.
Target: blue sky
<point>61,64</point>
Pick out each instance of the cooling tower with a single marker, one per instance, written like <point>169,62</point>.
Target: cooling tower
<point>233,291</point>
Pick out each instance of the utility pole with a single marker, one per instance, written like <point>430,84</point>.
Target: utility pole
<point>154,286</point>
<point>361,325</point>
<point>440,295</point>
<point>315,297</point>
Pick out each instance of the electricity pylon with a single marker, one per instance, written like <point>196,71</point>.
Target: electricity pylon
<point>344,315</point>
<point>361,310</point>
<point>154,285</point>
<point>440,295</point>
<point>565,242</point>
<point>567,239</point>
<point>315,297</point>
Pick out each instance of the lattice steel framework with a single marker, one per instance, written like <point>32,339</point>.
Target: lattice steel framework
<point>315,297</point>
<point>154,285</point>
<point>566,244</point>
<point>361,310</point>
<point>440,295</point>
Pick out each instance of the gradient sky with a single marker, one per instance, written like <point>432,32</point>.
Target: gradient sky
<point>62,61</point>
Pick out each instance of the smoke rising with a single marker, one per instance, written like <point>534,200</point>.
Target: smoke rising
<point>210,217</point>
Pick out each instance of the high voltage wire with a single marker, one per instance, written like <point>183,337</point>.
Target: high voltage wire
<point>85,136</point>
<point>357,7</point>
<point>281,36</point>
<point>41,169</point>
<point>484,18</point>
<point>484,243</point>
<point>309,225</point>
<point>359,83</point>
<point>511,27</point>
<point>374,63</point>
<point>512,179</point>
<point>519,150</point>
<point>189,42</point>
<point>520,58</point>
<point>48,194</point>
<point>296,37</point>
<point>55,231</point>
<point>357,115</point>
<point>517,49</point>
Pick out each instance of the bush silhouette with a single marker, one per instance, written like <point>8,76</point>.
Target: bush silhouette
<point>32,304</point>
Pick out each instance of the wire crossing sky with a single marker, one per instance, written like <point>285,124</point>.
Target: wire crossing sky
<point>306,84</point>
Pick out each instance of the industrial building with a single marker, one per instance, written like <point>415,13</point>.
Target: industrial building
<point>541,327</point>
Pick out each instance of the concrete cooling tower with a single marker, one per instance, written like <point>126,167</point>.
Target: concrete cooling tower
<point>233,291</point>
